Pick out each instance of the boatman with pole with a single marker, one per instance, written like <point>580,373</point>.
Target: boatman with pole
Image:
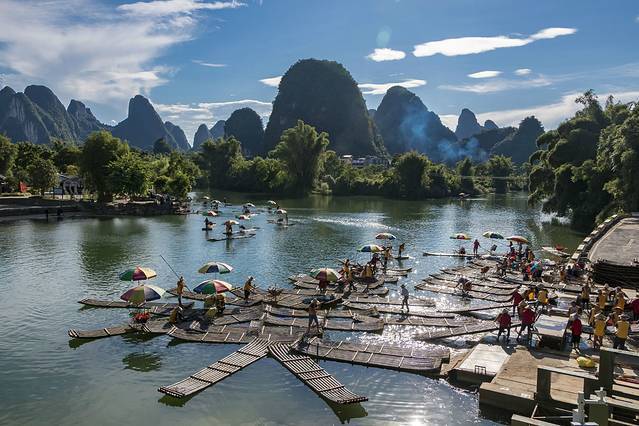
<point>180,289</point>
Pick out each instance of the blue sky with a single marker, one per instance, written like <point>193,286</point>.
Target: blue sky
<point>198,60</point>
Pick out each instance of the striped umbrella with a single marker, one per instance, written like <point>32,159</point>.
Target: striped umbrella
<point>231,222</point>
<point>244,217</point>
<point>385,236</point>
<point>216,202</point>
<point>460,236</point>
<point>493,235</point>
<point>250,205</point>
<point>142,293</point>
<point>209,213</point>
<point>213,287</point>
<point>325,274</point>
<point>137,274</point>
<point>215,268</point>
<point>518,239</point>
<point>281,211</point>
<point>271,203</point>
<point>371,248</point>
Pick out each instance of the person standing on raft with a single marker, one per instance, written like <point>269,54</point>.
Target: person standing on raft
<point>180,289</point>
<point>400,250</point>
<point>476,246</point>
<point>312,316</point>
<point>504,321</point>
<point>248,287</point>
<point>405,295</point>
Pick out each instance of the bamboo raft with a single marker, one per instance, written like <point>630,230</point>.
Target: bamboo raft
<point>313,376</point>
<point>477,287</point>
<point>115,330</point>
<point>483,327</point>
<point>478,308</point>
<point>462,256</point>
<point>413,360</point>
<point>307,279</point>
<point>468,295</point>
<point>238,334</point>
<point>486,281</point>
<point>231,237</point>
<point>429,322</point>
<point>300,302</point>
<point>375,300</point>
<point>395,310</point>
<point>374,326</point>
<point>122,304</point>
<point>242,317</point>
<point>218,371</point>
<point>359,289</point>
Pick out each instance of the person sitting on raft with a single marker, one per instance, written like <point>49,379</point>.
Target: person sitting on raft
<point>367,274</point>
<point>246,211</point>
<point>220,302</point>
<point>462,250</point>
<point>228,230</point>
<point>504,321</point>
<point>207,224</point>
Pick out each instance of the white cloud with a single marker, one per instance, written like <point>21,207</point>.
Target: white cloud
<point>272,81</point>
<point>190,116</point>
<point>159,8</point>
<point>208,64</point>
<point>381,88</point>
<point>90,51</point>
<point>473,45</point>
<point>498,85</point>
<point>550,114</point>
<point>449,120</point>
<point>386,54</point>
<point>484,74</point>
<point>523,71</point>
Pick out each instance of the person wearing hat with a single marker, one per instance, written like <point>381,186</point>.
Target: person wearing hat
<point>623,328</point>
<point>599,329</point>
<point>248,287</point>
<point>312,315</point>
<point>405,295</point>
<point>585,296</point>
<point>602,298</point>
<point>517,299</point>
<point>504,321</point>
<point>542,297</point>
<point>635,307</point>
<point>620,299</point>
<point>527,321</point>
<point>575,330</point>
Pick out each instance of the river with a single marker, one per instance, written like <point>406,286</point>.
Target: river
<point>46,267</point>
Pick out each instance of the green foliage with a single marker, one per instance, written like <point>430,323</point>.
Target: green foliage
<point>128,174</point>
<point>8,154</point>
<point>410,177</point>
<point>99,151</point>
<point>466,170</point>
<point>161,146</point>
<point>589,166</point>
<point>300,149</point>
<point>217,159</point>
<point>500,167</point>
<point>42,174</point>
<point>179,185</point>
<point>65,154</point>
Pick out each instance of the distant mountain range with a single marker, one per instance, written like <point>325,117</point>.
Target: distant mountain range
<point>321,93</point>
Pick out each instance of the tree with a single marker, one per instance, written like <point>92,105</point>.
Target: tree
<point>179,185</point>
<point>161,147</point>
<point>28,154</point>
<point>217,159</point>
<point>65,154</point>
<point>410,174</point>
<point>42,174</point>
<point>300,149</point>
<point>465,170</point>
<point>8,154</point>
<point>128,174</point>
<point>500,168</point>
<point>100,150</point>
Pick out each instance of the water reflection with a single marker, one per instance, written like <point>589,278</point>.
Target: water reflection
<point>143,362</point>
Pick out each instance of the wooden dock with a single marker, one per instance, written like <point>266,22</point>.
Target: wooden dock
<point>477,308</point>
<point>481,364</point>
<point>219,370</point>
<point>313,376</point>
<point>413,360</point>
<point>96,303</point>
<point>114,330</point>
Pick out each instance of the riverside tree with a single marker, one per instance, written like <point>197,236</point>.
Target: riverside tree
<point>99,151</point>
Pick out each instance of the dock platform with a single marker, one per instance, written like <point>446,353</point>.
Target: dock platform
<point>481,364</point>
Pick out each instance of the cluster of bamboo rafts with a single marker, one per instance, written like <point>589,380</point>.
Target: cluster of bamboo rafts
<point>281,319</point>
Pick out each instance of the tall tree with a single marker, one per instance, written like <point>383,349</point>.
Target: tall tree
<point>410,171</point>
<point>500,168</point>
<point>101,149</point>
<point>129,174</point>
<point>42,174</point>
<point>300,149</point>
<point>8,154</point>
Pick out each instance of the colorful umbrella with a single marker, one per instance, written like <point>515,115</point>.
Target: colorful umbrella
<point>137,274</point>
<point>251,205</point>
<point>215,268</point>
<point>271,203</point>
<point>324,274</point>
<point>281,211</point>
<point>231,222</point>
<point>216,202</point>
<point>385,236</point>
<point>460,236</point>
<point>243,217</point>
<point>493,235</point>
<point>518,239</point>
<point>371,248</point>
<point>213,287</point>
<point>142,293</point>
<point>209,213</point>
<point>206,197</point>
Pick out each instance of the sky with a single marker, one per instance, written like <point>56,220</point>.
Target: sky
<point>199,60</point>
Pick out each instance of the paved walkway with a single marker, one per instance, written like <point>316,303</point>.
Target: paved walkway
<point>620,244</point>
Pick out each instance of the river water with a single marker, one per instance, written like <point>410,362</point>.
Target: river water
<point>46,267</point>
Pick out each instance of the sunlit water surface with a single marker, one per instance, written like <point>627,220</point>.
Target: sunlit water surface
<point>45,268</point>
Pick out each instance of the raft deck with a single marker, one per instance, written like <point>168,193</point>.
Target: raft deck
<point>122,304</point>
<point>374,326</point>
<point>219,370</point>
<point>482,327</point>
<point>313,376</point>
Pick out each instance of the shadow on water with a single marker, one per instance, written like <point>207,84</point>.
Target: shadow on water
<point>347,412</point>
<point>76,343</point>
<point>140,361</point>
<point>172,401</point>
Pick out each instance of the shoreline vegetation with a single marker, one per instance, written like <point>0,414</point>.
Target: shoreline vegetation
<point>584,170</point>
